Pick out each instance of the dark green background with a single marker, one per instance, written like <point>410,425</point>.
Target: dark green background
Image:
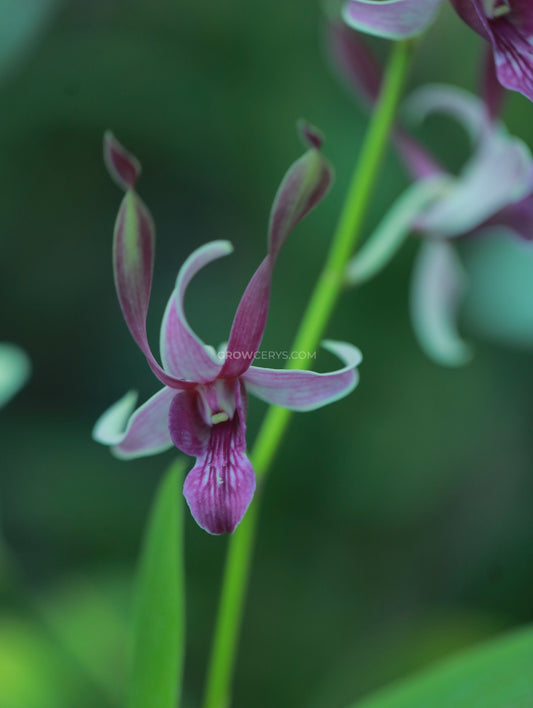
<point>396,524</point>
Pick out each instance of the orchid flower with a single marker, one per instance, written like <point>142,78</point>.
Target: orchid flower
<point>507,25</point>
<point>493,192</point>
<point>201,408</point>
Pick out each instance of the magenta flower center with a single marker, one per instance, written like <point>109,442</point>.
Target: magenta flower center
<point>216,401</point>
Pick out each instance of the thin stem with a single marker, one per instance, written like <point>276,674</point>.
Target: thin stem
<point>311,330</point>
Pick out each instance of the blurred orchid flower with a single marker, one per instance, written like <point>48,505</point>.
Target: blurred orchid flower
<point>507,25</point>
<point>15,368</point>
<point>202,407</point>
<point>493,191</point>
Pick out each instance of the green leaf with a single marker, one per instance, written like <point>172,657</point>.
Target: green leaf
<point>159,637</point>
<point>21,24</point>
<point>496,675</point>
<point>15,368</point>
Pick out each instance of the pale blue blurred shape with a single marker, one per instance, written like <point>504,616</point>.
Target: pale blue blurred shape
<point>15,368</point>
<point>21,24</point>
<point>499,298</point>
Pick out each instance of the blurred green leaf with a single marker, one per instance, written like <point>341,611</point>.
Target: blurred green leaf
<point>160,614</point>
<point>21,22</point>
<point>32,671</point>
<point>85,617</point>
<point>497,675</point>
<point>15,369</point>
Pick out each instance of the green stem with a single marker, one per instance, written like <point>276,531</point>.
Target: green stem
<point>311,330</point>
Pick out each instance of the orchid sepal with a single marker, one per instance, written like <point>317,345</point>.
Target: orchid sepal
<point>123,167</point>
<point>136,433</point>
<point>304,185</point>
<point>391,19</point>
<point>307,390</point>
<point>438,286</point>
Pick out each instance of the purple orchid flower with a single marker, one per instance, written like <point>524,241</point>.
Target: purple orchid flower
<point>201,408</point>
<point>507,25</point>
<point>492,193</point>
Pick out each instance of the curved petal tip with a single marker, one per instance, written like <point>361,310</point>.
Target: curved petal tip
<point>437,289</point>
<point>123,167</point>
<point>310,135</point>
<point>110,427</point>
<point>391,19</point>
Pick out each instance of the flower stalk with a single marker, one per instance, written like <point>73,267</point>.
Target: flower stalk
<point>320,308</point>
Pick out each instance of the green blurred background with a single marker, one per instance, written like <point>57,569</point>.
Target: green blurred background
<point>396,525</point>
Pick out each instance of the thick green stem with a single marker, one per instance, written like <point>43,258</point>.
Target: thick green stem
<point>309,335</point>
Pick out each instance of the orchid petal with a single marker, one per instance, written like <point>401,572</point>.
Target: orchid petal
<point>110,427</point>
<point>145,432</point>
<point>221,485</point>
<point>478,193</point>
<point>123,167</point>
<point>390,234</point>
<point>133,259</point>
<point>306,390</point>
<point>188,431</point>
<point>392,19</point>
<point>133,252</point>
<point>473,13</point>
<point>516,217</point>
<point>302,188</point>
<point>182,352</point>
<point>355,61</point>
<point>249,322</point>
<point>499,174</point>
<point>15,368</point>
<point>304,185</point>
<point>469,110</point>
<point>437,288</point>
